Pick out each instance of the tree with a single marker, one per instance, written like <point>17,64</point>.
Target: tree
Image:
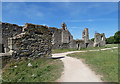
<point>110,40</point>
<point>117,37</point>
<point>92,39</point>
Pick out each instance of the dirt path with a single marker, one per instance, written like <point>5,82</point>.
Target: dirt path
<point>75,70</point>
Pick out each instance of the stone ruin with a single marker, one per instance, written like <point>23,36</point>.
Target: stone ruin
<point>99,40</point>
<point>61,38</point>
<point>28,41</point>
<point>37,40</point>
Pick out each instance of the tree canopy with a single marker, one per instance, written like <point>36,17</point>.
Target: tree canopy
<point>114,39</point>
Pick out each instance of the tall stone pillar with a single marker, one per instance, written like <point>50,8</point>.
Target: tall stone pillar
<point>85,35</point>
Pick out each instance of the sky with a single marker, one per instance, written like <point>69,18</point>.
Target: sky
<point>101,17</point>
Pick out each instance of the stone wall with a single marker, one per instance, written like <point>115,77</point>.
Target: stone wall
<point>56,37</point>
<point>35,41</point>
<point>61,38</point>
<point>8,31</point>
<point>99,40</point>
<point>80,44</point>
<point>91,43</point>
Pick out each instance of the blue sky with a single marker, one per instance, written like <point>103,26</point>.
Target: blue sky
<point>99,17</point>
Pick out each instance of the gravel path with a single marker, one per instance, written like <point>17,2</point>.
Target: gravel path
<point>75,70</point>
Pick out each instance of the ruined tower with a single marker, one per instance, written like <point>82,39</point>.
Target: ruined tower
<point>85,36</point>
<point>64,26</point>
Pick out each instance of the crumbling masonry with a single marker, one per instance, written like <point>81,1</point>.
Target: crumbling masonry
<point>37,40</point>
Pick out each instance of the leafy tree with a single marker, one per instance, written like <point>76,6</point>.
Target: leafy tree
<point>92,39</point>
<point>117,37</point>
<point>110,40</point>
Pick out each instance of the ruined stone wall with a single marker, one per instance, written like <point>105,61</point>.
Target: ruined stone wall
<point>34,42</point>
<point>61,38</point>
<point>99,40</point>
<point>56,37</point>
<point>37,40</point>
<point>9,30</point>
<point>80,44</point>
<point>66,36</point>
<point>91,43</point>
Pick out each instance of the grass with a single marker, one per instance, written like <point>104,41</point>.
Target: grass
<point>104,63</point>
<point>42,70</point>
<point>106,46</point>
<point>91,48</point>
<point>62,50</point>
<point>111,45</point>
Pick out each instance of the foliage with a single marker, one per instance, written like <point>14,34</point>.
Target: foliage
<point>92,39</point>
<point>117,37</point>
<point>114,39</point>
<point>110,40</point>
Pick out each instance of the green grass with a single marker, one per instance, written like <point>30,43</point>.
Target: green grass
<point>42,70</point>
<point>104,63</point>
<point>106,46</point>
<point>62,50</point>
<point>91,48</point>
<point>111,45</point>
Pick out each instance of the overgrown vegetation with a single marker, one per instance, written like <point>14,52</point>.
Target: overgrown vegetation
<point>37,70</point>
<point>105,63</point>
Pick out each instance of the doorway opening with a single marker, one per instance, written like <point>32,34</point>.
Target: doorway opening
<point>2,49</point>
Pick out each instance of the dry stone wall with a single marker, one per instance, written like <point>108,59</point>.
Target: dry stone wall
<point>34,42</point>
<point>8,31</point>
<point>26,41</point>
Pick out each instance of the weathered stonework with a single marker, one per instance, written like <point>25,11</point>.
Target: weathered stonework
<point>61,38</point>
<point>99,40</point>
<point>85,38</point>
<point>38,40</point>
<point>8,31</point>
<point>80,44</point>
<point>85,35</point>
<point>30,41</point>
